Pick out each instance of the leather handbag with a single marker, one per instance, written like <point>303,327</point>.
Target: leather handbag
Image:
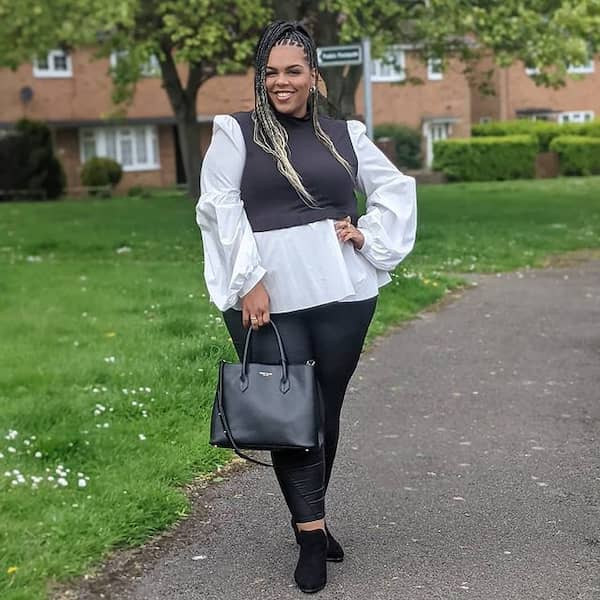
<point>267,407</point>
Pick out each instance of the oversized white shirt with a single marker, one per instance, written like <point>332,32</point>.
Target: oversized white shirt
<point>305,265</point>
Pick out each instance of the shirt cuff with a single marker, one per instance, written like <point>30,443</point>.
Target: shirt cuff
<point>364,249</point>
<point>256,276</point>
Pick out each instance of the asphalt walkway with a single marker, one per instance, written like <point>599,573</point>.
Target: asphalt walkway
<point>469,467</point>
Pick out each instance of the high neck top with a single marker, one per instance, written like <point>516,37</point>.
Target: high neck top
<point>291,119</point>
<point>269,199</point>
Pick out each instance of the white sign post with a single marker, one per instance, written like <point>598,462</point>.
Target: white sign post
<point>355,54</point>
<point>367,86</point>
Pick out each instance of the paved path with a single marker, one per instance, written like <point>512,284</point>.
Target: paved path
<point>469,467</point>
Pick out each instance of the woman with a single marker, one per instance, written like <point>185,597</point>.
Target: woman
<point>281,237</point>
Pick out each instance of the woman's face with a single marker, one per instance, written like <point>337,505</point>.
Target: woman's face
<point>289,79</point>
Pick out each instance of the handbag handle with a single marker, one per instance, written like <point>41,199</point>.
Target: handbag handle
<point>284,384</point>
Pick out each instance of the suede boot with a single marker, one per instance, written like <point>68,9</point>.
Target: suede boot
<point>335,552</point>
<point>311,571</point>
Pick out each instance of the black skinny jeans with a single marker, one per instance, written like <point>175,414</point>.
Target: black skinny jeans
<point>332,335</point>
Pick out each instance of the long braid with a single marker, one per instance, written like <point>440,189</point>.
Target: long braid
<point>269,134</point>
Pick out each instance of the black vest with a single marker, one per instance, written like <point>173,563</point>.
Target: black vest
<point>269,199</point>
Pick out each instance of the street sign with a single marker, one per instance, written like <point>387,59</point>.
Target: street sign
<point>335,56</point>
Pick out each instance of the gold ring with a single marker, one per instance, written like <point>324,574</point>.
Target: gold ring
<point>253,318</point>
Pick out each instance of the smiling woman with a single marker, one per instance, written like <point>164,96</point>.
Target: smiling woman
<point>282,237</point>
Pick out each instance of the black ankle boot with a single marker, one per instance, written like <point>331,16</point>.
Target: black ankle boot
<point>311,571</point>
<point>335,552</point>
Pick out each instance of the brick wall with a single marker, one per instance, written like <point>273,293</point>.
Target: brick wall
<point>411,104</point>
<point>515,91</point>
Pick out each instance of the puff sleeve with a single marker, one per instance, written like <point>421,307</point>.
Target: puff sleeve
<point>232,264</point>
<point>389,225</point>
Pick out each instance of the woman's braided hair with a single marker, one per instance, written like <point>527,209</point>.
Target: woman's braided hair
<point>269,134</point>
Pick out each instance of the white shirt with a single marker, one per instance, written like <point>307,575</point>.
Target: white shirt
<point>305,265</point>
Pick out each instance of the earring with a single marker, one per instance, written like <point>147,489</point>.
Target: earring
<point>313,89</point>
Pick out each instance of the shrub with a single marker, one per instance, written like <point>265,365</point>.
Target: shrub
<point>486,158</point>
<point>544,131</point>
<point>100,171</point>
<point>407,143</point>
<point>27,160</point>
<point>578,155</point>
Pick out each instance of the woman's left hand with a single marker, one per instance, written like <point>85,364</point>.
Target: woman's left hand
<point>346,232</point>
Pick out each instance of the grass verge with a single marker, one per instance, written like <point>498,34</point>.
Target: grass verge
<point>110,345</point>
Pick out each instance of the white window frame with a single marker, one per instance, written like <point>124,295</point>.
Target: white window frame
<point>568,116</point>
<point>122,134</point>
<point>51,72</point>
<point>435,69</point>
<point>585,69</point>
<point>582,69</point>
<point>150,68</point>
<point>382,71</point>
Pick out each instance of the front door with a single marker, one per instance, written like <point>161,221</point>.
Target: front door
<point>435,131</point>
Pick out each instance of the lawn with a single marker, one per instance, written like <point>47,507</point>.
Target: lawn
<point>109,348</point>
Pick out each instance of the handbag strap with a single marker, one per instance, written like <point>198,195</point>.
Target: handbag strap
<point>225,424</point>
<point>284,383</point>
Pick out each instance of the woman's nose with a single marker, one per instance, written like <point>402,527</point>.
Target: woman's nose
<point>282,79</point>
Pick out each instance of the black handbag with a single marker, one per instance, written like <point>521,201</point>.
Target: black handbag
<point>267,407</point>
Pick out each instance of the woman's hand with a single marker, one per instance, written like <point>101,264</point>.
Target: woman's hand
<point>347,232</point>
<point>255,307</point>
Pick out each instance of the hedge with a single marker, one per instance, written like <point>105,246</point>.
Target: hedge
<point>579,155</point>
<point>407,143</point>
<point>28,162</point>
<point>99,171</point>
<point>544,131</point>
<point>486,158</point>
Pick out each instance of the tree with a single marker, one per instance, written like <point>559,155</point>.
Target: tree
<point>193,41</point>
<point>550,35</point>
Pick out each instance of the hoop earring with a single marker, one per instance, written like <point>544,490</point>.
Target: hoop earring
<point>313,89</point>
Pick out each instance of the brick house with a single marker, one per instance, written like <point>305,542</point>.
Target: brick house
<point>517,96</point>
<point>72,93</point>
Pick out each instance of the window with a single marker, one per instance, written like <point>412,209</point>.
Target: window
<point>135,148</point>
<point>582,116</point>
<point>56,63</point>
<point>588,67</point>
<point>435,69</point>
<point>484,120</point>
<point>574,69</point>
<point>390,67</point>
<point>150,68</point>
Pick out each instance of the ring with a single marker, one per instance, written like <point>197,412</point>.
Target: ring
<point>254,318</point>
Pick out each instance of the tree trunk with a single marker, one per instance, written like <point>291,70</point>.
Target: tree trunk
<point>188,131</point>
<point>342,83</point>
<point>183,102</point>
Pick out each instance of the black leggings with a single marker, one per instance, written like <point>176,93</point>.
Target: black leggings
<point>332,335</point>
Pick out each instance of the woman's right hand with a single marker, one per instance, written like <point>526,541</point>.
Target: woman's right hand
<point>255,307</point>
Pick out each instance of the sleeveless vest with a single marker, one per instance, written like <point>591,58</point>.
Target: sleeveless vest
<point>269,199</point>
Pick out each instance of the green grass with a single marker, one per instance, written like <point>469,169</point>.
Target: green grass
<point>93,334</point>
